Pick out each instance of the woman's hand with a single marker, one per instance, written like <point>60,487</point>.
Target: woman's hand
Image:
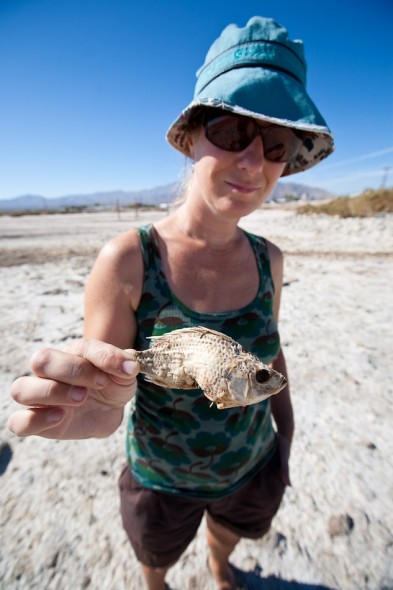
<point>74,394</point>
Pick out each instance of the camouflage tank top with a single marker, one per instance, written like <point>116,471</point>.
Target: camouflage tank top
<point>176,441</point>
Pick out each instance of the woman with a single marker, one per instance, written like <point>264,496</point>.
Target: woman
<point>250,123</point>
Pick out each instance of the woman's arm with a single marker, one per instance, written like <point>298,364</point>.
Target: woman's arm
<point>81,392</point>
<point>281,405</point>
<point>113,292</point>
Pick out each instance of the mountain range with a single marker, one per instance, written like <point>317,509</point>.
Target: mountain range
<point>157,196</point>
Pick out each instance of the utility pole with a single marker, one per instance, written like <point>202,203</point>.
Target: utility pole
<point>118,209</point>
<point>385,176</point>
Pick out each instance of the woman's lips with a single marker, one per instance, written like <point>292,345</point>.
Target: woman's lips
<point>242,188</point>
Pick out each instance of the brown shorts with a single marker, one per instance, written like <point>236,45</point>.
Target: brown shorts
<point>160,526</point>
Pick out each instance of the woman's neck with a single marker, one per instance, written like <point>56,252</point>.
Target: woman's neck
<point>199,222</point>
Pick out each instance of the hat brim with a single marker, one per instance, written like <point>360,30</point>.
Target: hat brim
<point>268,96</point>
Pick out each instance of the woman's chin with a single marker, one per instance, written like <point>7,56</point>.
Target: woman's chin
<point>236,208</point>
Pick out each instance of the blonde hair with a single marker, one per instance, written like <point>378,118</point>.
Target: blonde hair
<point>184,183</point>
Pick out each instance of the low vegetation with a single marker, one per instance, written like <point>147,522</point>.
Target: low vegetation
<point>367,204</point>
<point>80,209</point>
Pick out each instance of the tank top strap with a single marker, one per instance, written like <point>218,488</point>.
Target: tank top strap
<point>148,246</point>
<point>261,252</point>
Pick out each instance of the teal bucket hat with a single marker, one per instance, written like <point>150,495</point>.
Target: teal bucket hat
<point>258,72</point>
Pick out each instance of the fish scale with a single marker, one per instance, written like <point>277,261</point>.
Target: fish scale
<point>199,357</point>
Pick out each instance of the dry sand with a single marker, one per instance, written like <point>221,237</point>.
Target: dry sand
<point>60,524</point>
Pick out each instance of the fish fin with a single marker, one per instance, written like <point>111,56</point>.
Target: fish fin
<point>162,383</point>
<point>155,380</point>
<point>202,331</point>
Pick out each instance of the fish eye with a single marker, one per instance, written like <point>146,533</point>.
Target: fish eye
<point>262,376</point>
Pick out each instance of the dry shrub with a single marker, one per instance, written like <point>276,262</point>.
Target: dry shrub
<point>367,204</point>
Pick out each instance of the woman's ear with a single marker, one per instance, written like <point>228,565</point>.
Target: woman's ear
<point>191,144</point>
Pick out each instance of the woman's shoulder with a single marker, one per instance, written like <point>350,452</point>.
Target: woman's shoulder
<point>274,252</point>
<point>276,266</point>
<point>276,259</point>
<point>122,248</point>
<point>120,261</point>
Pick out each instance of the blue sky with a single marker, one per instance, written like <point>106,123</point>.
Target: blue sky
<point>89,88</point>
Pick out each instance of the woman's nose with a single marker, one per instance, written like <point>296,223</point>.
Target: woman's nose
<point>253,157</point>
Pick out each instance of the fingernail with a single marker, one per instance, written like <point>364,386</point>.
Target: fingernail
<point>130,367</point>
<point>78,394</point>
<point>55,416</point>
<point>102,379</point>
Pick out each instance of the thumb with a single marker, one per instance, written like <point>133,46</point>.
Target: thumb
<point>130,365</point>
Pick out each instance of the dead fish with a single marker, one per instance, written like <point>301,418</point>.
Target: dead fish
<point>198,357</point>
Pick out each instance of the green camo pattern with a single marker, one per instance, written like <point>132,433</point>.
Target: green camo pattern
<point>176,441</point>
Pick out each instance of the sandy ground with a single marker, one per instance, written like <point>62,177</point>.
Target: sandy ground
<point>59,519</point>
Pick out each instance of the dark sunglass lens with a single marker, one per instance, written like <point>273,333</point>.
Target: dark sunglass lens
<point>281,144</point>
<point>221,132</point>
<point>235,133</point>
<point>230,133</point>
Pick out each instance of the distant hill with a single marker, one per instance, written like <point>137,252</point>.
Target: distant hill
<point>283,190</point>
<point>148,197</point>
<point>105,200</point>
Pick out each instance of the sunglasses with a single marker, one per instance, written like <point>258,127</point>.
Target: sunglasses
<point>234,133</point>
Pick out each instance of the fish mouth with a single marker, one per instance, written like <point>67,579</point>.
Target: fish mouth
<point>283,383</point>
<point>252,398</point>
<point>280,385</point>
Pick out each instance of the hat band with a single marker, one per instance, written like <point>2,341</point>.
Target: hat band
<point>253,54</point>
